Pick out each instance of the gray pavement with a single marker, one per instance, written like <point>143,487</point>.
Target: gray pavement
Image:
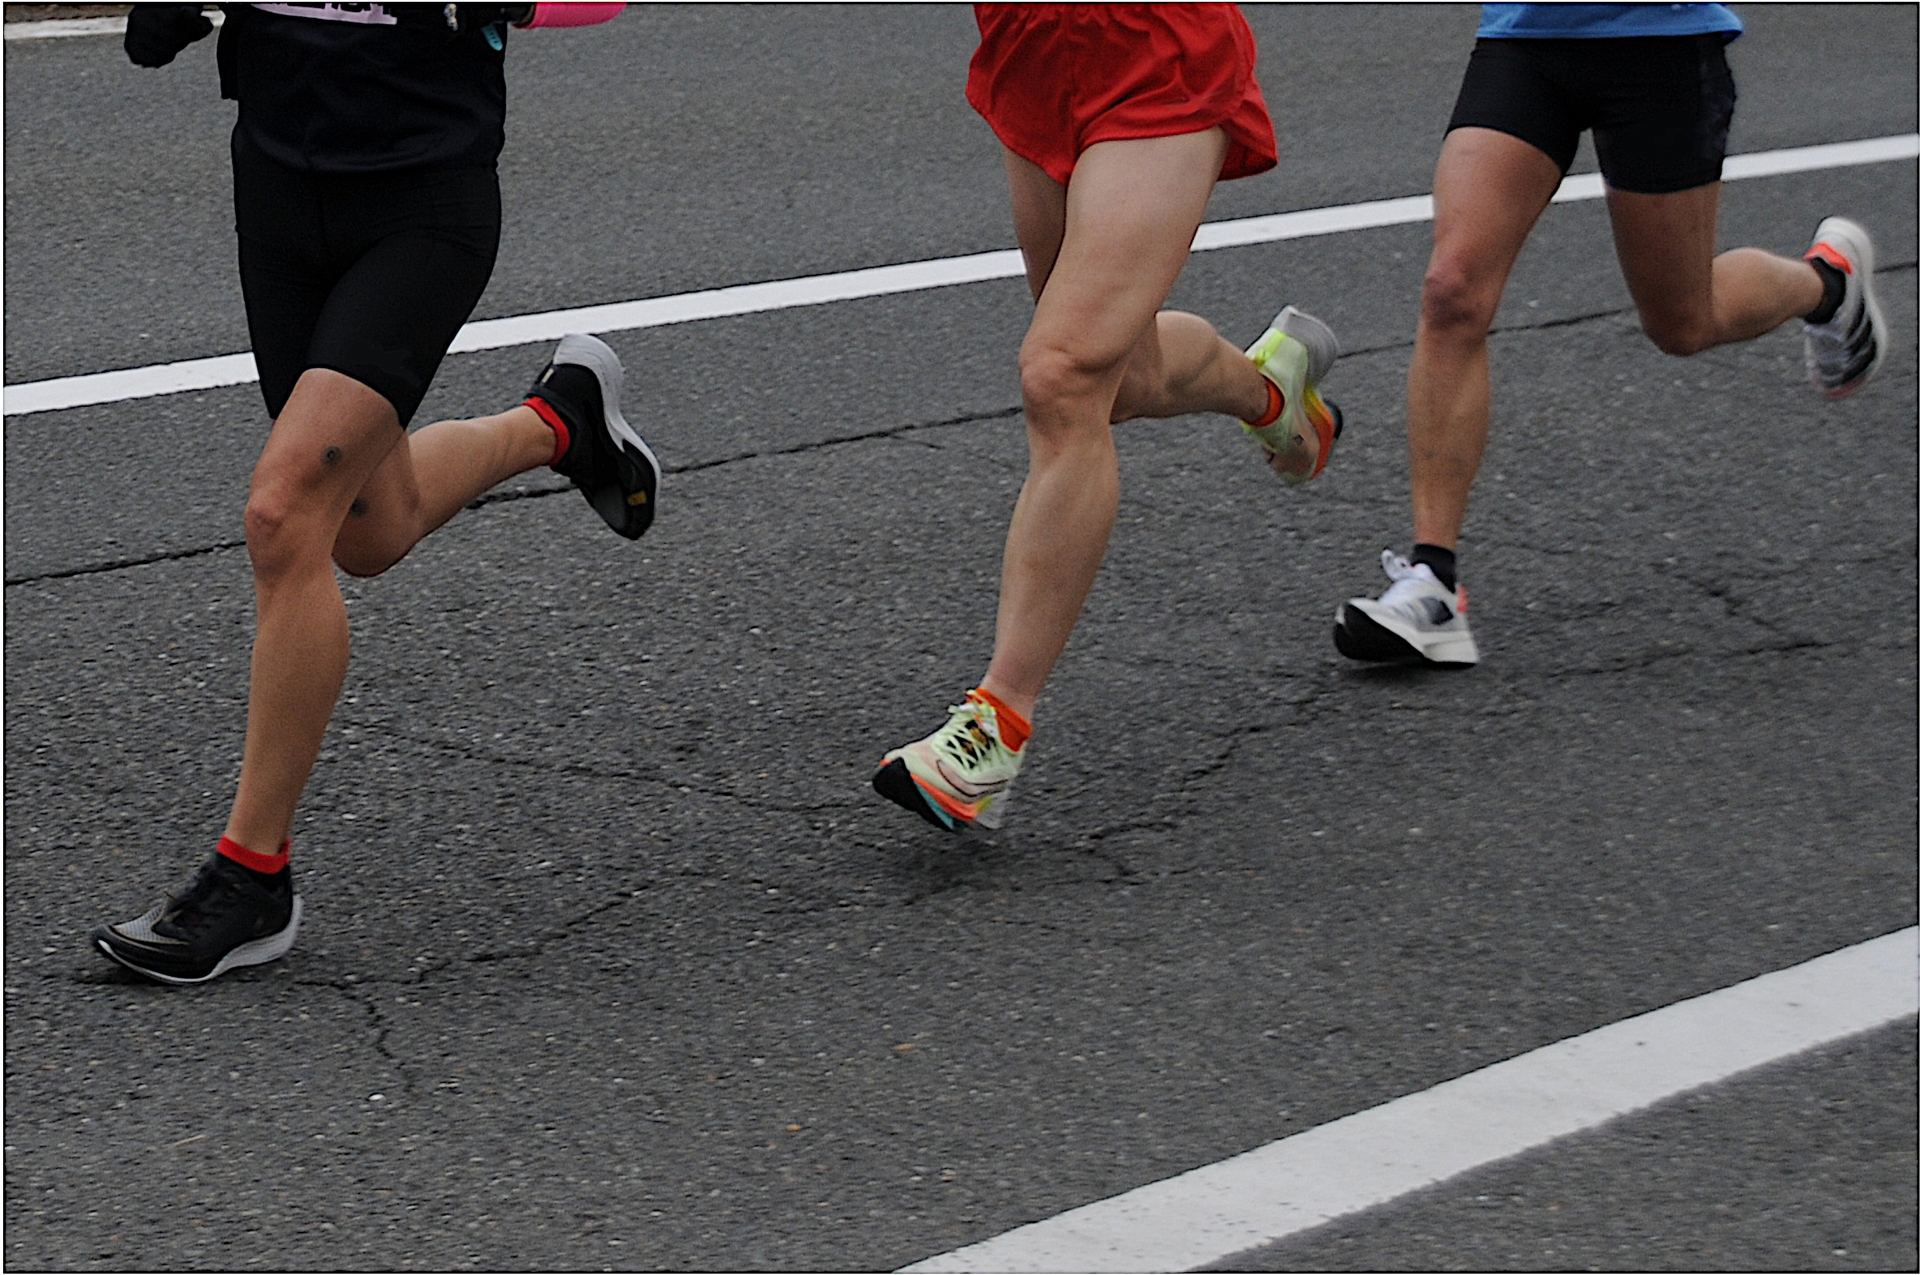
<point>612,960</point>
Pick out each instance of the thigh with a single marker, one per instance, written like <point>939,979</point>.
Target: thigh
<point>1663,106</point>
<point>1665,244</point>
<point>1489,188</point>
<point>429,248</point>
<point>1518,87</point>
<point>285,271</point>
<point>1131,211</point>
<point>1039,217</point>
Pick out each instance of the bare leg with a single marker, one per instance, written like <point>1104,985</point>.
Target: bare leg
<point>1489,189</point>
<point>1689,299</point>
<point>335,446</point>
<point>1102,254</point>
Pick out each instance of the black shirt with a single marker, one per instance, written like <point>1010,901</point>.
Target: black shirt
<point>345,88</point>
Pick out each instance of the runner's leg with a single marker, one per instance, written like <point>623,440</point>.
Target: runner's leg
<point>433,474</point>
<point>1690,300</point>
<point>1102,255</point>
<point>1489,188</point>
<point>333,434</point>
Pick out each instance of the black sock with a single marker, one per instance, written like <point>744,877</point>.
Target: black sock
<point>281,880</point>
<point>1438,560</point>
<point>1834,280</point>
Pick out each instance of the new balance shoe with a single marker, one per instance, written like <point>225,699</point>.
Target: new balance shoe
<point>1844,352</point>
<point>224,920</point>
<point>1295,354</point>
<point>960,775</point>
<point>607,460</point>
<point>1417,620</point>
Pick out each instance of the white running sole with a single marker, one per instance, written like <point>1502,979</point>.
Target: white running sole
<point>258,952</point>
<point>1457,649</point>
<point>597,357</point>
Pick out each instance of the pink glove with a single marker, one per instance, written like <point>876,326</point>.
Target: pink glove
<point>571,15</point>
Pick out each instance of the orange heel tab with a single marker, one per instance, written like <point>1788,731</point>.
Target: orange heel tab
<point>1276,404</point>
<point>1015,730</point>
<point>1831,255</point>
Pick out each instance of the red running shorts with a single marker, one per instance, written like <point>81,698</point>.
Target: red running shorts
<point>1053,79</point>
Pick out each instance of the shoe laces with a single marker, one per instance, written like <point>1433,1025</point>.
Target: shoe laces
<point>203,902</point>
<point>965,738</point>
<point>1410,579</point>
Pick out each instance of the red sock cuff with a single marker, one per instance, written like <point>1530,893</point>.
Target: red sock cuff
<point>1015,730</point>
<point>251,859</point>
<point>562,437</point>
<point>1276,403</point>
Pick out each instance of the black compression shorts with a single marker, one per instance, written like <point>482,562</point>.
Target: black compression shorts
<point>369,274</point>
<point>1659,106</point>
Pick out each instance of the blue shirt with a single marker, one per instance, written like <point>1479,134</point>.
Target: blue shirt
<point>1603,21</point>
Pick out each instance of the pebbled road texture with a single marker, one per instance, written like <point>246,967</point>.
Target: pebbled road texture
<point>612,960</point>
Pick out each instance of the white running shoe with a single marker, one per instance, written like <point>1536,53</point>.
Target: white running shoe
<point>1844,352</point>
<point>1417,620</point>
<point>1295,353</point>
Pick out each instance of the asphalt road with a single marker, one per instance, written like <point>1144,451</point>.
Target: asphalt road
<point>611,959</point>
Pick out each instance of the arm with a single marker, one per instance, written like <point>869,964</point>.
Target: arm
<point>157,32</point>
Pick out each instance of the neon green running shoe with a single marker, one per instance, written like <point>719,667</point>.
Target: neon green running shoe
<point>1296,353</point>
<point>958,776</point>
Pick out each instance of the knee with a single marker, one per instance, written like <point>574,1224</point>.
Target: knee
<point>1454,301</point>
<point>1678,336</point>
<point>289,530</point>
<point>1051,376</point>
<point>276,539</point>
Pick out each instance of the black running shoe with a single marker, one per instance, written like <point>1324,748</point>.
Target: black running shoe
<point>225,919</point>
<point>611,464</point>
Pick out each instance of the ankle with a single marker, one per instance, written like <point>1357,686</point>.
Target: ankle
<point>1015,713</point>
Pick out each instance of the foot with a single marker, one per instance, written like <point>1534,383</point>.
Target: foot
<point>1295,354</point>
<point>611,464</point>
<point>960,775</point>
<point>1844,352</point>
<point>1417,620</point>
<point>223,920</point>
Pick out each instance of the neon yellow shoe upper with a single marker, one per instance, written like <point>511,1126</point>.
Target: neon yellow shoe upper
<point>1296,353</point>
<point>964,769</point>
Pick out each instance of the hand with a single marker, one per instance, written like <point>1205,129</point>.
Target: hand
<point>156,32</point>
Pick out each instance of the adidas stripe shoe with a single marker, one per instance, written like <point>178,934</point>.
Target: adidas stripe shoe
<point>1844,352</point>
<point>224,920</point>
<point>1417,620</point>
<point>608,461</point>
<point>1296,353</point>
<point>962,774</point>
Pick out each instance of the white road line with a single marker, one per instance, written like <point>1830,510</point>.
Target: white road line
<point>59,28</point>
<point>785,294</point>
<point>1378,1155</point>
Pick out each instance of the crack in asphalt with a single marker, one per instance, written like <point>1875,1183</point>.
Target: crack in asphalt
<point>841,440</point>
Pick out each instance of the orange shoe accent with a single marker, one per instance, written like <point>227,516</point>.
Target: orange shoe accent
<point>1015,730</point>
<point>1276,404</point>
<point>1831,255</point>
<point>1322,421</point>
<point>958,809</point>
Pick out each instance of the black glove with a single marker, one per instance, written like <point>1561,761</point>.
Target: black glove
<point>156,32</point>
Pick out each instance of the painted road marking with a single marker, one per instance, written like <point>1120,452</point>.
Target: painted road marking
<point>915,276</point>
<point>1378,1155</point>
